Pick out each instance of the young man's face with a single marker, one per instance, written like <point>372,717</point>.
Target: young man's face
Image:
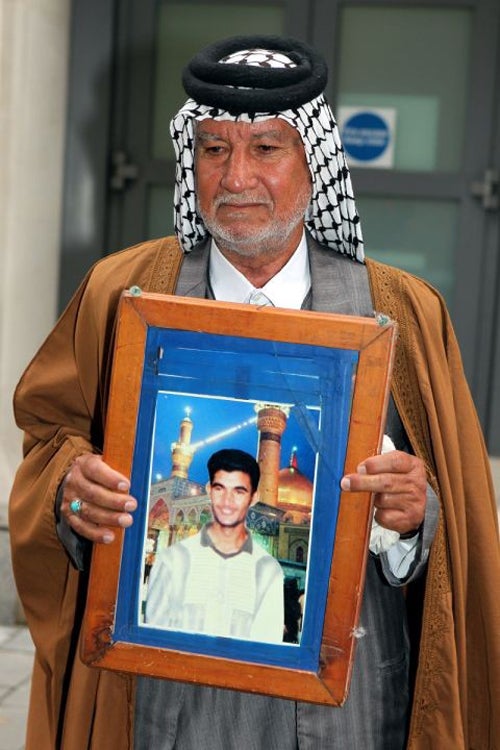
<point>231,496</point>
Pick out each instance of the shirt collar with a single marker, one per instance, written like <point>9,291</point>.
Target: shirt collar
<point>288,288</point>
<point>205,541</point>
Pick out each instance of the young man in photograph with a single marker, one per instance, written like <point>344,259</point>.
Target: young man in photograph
<point>220,581</point>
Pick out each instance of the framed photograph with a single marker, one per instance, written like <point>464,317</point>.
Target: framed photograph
<point>244,567</point>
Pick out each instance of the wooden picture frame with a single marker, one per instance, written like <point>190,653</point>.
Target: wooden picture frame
<point>329,375</point>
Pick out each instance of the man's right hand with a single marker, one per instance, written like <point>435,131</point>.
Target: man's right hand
<point>105,502</point>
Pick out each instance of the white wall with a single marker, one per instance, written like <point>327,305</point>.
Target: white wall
<point>34,40</point>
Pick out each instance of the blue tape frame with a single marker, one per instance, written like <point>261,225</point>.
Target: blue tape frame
<point>310,378</point>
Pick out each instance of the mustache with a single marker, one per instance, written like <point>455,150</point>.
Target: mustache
<point>242,199</point>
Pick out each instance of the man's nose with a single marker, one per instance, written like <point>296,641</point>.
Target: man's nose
<point>239,173</point>
<point>228,498</point>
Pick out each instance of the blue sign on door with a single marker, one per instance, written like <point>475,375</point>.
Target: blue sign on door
<point>366,136</point>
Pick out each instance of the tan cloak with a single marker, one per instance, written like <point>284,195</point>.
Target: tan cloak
<point>60,403</point>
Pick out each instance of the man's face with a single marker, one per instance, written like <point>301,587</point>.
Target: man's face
<point>231,496</point>
<point>253,184</point>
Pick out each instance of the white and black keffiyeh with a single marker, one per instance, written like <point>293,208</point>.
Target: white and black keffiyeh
<point>331,217</point>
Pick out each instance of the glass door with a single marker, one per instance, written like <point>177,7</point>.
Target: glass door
<point>411,65</point>
<point>415,90</point>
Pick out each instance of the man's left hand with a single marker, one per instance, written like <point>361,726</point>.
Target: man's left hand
<point>398,482</point>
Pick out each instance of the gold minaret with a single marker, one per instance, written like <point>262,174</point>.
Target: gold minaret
<point>182,451</point>
<point>271,423</point>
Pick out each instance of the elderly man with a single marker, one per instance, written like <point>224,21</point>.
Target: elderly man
<point>264,209</point>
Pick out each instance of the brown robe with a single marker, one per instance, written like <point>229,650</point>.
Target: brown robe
<point>60,403</point>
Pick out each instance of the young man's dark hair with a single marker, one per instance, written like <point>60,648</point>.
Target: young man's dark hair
<point>232,459</point>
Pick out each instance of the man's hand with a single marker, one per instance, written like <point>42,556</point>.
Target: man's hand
<point>105,502</point>
<point>399,483</point>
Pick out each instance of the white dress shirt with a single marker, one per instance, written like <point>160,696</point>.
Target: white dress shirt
<point>288,288</point>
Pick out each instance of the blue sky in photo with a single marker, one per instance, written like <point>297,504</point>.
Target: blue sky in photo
<point>220,423</point>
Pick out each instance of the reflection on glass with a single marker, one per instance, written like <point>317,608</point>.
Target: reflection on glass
<point>416,61</point>
<point>183,28</point>
<point>417,235</point>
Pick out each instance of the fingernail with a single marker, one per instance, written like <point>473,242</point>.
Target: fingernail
<point>123,486</point>
<point>345,483</point>
<point>108,538</point>
<point>361,469</point>
<point>130,505</point>
<point>124,521</point>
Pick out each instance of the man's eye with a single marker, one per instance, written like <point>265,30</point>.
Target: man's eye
<point>214,150</point>
<point>267,148</point>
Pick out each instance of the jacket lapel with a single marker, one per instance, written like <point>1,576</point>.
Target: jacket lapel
<point>339,285</point>
<point>193,277</point>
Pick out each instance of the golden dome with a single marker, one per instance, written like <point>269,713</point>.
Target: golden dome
<point>295,490</point>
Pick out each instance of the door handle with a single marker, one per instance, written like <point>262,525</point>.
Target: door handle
<point>488,190</point>
<point>122,170</point>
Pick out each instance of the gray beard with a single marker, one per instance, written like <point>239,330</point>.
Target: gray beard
<point>267,241</point>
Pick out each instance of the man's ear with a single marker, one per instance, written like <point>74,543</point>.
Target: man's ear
<point>207,487</point>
